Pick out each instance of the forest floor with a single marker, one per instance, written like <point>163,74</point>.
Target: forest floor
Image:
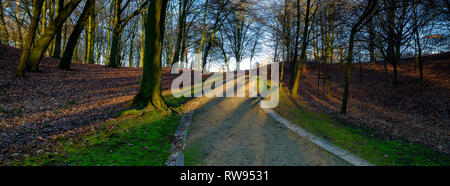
<point>54,103</point>
<point>38,111</point>
<point>411,115</point>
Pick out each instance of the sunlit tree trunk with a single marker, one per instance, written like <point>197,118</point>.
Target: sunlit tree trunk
<point>283,62</point>
<point>202,41</point>
<point>297,36</point>
<point>299,66</point>
<point>108,45</point>
<point>90,37</point>
<point>142,38</point>
<point>3,31</point>
<point>73,39</point>
<point>44,17</point>
<point>51,17</point>
<point>180,31</point>
<point>43,42</point>
<point>30,37</point>
<point>149,94</point>
<point>19,43</point>
<point>118,25</point>
<point>215,27</point>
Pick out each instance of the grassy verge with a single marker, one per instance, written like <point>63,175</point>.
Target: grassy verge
<point>134,138</point>
<point>192,155</point>
<point>361,141</point>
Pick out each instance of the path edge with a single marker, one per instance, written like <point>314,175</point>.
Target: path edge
<point>328,146</point>
<point>179,143</point>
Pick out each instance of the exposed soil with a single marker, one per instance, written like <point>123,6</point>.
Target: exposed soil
<point>411,115</point>
<point>235,131</point>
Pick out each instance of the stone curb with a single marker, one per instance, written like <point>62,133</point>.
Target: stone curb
<point>177,159</point>
<point>340,152</point>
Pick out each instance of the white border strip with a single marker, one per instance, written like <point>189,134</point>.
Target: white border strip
<point>344,154</point>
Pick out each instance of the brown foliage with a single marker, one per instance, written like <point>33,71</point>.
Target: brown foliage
<point>413,115</point>
<point>57,102</point>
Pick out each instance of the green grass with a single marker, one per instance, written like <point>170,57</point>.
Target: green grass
<point>369,145</point>
<point>134,138</point>
<point>71,102</point>
<point>192,155</point>
<point>14,110</point>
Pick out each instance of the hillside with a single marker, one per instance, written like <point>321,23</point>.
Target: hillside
<point>411,115</point>
<point>55,102</point>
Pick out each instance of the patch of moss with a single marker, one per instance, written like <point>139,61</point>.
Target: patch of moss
<point>134,138</point>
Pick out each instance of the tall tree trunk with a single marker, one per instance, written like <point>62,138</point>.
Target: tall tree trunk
<point>19,43</point>
<point>208,46</point>
<point>73,39</point>
<point>181,26</point>
<point>141,55</point>
<point>348,72</point>
<point>419,58</point>
<point>30,37</point>
<point>51,17</point>
<point>114,56</point>
<point>57,49</point>
<point>372,45</point>
<point>293,64</point>
<point>108,46</point>
<point>43,42</point>
<point>275,55</point>
<point>299,66</point>
<point>202,41</point>
<point>355,28</point>
<point>184,50</point>
<point>3,30</point>
<point>283,62</point>
<point>130,56</point>
<point>90,37</point>
<point>150,94</point>
<point>44,17</point>
<point>118,26</point>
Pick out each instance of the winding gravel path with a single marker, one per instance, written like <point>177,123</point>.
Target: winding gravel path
<point>237,132</point>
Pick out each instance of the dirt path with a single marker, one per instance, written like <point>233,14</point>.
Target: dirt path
<point>237,132</point>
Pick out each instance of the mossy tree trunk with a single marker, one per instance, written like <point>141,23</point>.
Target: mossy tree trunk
<point>29,38</point>
<point>38,50</point>
<point>149,94</point>
<point>73,39</point>
<point>3,30</point>
<point>141,40</point>
<point>91,36</point>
